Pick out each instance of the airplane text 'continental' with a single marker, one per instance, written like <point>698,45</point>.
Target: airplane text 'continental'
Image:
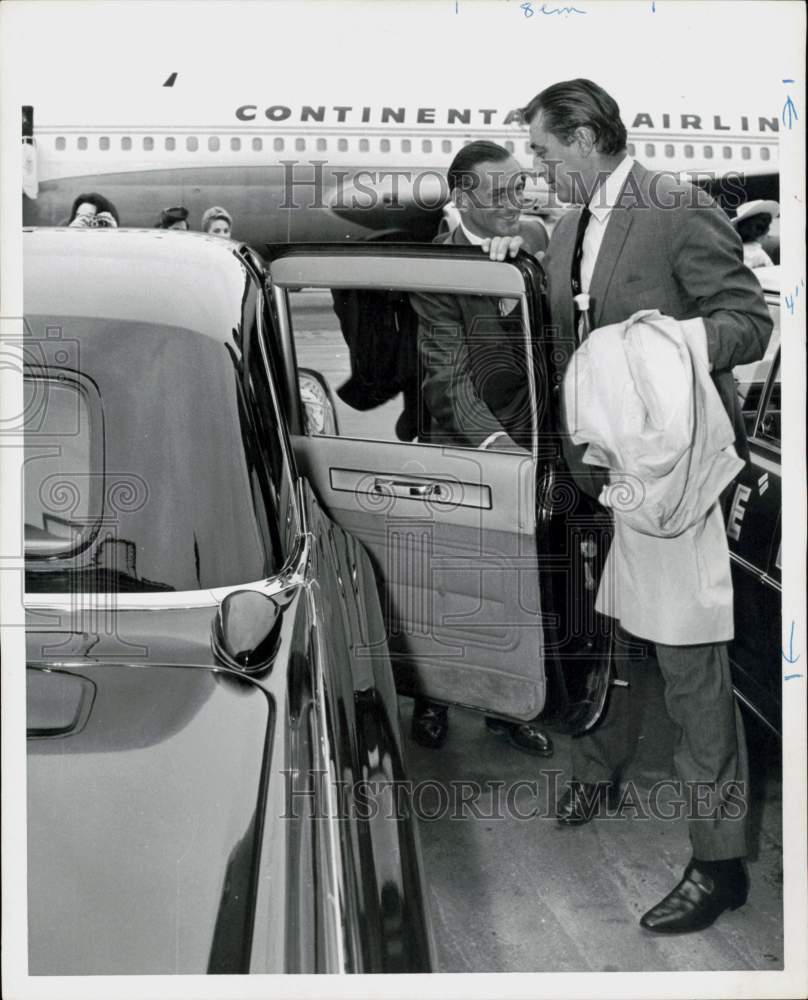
<point>347,114</point>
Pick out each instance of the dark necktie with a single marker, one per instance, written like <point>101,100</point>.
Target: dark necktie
<point>578,252</point>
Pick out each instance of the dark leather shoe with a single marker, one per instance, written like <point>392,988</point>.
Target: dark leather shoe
<point>698,900</point>
<point>582,802</point>
<point>430,724</point>
<point>525,736</point>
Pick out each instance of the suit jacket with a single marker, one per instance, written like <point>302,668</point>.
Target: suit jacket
<point>667,246</point>
<point>474,378</point>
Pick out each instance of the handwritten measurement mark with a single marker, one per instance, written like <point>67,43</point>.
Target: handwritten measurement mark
<point>789,299</point>
<point>528,10</point>
<point>790,656</point>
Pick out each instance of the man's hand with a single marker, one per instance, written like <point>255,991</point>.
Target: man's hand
<point>501,247</point>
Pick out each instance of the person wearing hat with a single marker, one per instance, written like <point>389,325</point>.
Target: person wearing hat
<point>173,218</point>
<point>751,222</point>
<point>217,222</point>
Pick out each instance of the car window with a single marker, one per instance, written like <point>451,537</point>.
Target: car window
<point>750,380</point>
<point>63,470</point>
<point>769,426</point>
<point>438,368</point>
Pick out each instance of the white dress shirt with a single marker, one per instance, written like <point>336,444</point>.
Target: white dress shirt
<point>603,200</point>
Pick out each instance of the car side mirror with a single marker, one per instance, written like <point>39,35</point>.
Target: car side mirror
<point>319,408</point>
<point>246,630</point>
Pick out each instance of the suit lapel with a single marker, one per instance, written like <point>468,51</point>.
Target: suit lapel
<point>617,228</point>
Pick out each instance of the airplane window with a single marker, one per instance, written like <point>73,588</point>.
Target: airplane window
<point>426,145</point>
<point>213,143</point>
<point>342,145</point>
<point>406,146</point>
<point>103,142</point>
<point>170,142</point>
<point>669,149</point>
<point>148,143</point>
<point>60,142</point>
<point>764,153</point>
<point>300,144</point>
<point>727,152</point>
<point>631,149</point>
<point>364,146</point>
<point>192,143</point>
<point>384,145</point>
<point>509,146</point>
<point>322,144</point>
<point>278,144</point>
<point>708,152</point>
<point>82,142</point>
<point>126,143</point>
<point>746,153</point>
<point>257,144</point>
<point>235,143</point>
<point>446,146</point>
<point>650,149</point>
<point>689,151</point>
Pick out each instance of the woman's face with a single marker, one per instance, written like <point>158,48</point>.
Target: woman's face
<point>180,224</point>
<point>220,227</point>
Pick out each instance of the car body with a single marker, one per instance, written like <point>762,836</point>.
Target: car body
<point>753,512</point>
<point>206,658</point>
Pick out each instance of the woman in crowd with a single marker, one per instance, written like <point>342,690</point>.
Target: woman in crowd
<point>93,211</point>
<point>173,218</point>
<point>217,222</point>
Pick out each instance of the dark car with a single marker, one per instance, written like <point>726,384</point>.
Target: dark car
<point>754,530</point>
<point>206,655</point>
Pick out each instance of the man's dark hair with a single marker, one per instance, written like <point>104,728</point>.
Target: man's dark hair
<point>461,173</point>
<point>569,105</point>
<point>101,203</point>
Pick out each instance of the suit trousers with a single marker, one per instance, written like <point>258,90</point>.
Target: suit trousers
<point>710,754</point>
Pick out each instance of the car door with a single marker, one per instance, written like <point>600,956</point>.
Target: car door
<point>481,552</point>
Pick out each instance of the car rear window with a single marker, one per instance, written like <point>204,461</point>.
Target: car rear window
<point>145,465</point>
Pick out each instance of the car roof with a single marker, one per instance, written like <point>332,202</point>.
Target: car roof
<point>156,276</point>
<point>769,278</point>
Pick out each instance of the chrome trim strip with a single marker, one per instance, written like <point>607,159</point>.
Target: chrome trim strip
<point>756,712</point>
<point>292,574</point>
<point>327,762</point>
<point>761,574</point>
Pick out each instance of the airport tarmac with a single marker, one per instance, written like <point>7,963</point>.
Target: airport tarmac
<point>511,894</point>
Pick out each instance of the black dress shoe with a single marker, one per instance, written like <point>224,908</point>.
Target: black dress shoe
<point>582,802</point>
<point>699,899</point>
<point>430,724</point>
<point>525,736</point>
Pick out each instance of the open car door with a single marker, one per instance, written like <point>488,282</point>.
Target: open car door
<point>486,555</point>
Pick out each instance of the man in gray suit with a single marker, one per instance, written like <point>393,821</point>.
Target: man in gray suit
<point>648,241</point>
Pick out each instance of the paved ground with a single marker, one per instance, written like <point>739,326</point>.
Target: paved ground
<point>525,895</point>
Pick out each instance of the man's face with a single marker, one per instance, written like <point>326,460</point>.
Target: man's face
<point>180,224</point>
<point>492,206</point>
<point>558,163</point>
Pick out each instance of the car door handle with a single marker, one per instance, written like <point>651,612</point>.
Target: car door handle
<point>413,489</point>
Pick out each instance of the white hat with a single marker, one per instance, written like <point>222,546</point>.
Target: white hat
<point>758,207</point>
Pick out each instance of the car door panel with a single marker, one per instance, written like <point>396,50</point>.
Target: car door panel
<point>460,589</point>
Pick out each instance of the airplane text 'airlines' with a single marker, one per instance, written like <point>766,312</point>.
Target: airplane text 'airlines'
<point>349,114</point>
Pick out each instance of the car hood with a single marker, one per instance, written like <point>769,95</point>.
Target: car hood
<point>145,799</point>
